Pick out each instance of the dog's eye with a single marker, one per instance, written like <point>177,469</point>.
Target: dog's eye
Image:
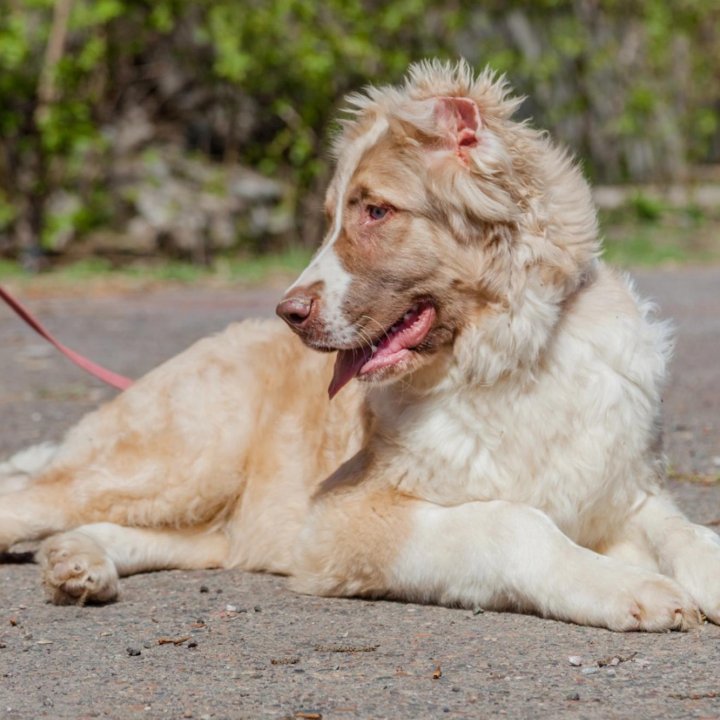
<point>376,212</point>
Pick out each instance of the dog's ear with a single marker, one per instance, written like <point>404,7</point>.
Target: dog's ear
<point>459,119</point>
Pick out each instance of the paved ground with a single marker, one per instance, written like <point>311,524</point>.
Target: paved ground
<point>245,647</point>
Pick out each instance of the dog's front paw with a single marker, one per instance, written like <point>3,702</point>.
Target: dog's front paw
<point>653,604</point>
<point>697,570</point>
<point>76,570</point>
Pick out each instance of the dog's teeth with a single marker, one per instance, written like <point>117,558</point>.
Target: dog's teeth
<point>374,348</point>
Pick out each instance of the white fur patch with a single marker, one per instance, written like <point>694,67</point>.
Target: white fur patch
<point>15,472</point>
<point>326,266</point>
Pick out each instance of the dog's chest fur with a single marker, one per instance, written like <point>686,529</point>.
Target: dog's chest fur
<point>570,438</point>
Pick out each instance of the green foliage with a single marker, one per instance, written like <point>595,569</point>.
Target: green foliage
<point>630,85</point>
<point>10,270</point>
<point>647,208</point>
<point>646,230</point>
<point>298,57</point>
<point>642,249</point>
<point>247,270</point>
<point>7,211</point>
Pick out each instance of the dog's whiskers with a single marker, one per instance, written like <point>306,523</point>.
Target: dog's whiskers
<point>383,331</point>
<point>367,340</point>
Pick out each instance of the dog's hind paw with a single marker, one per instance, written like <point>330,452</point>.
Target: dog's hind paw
<point>76,570</point>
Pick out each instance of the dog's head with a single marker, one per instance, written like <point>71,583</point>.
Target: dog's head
<point>454,233</point>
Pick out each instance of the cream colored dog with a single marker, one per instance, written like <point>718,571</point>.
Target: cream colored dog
<point>499,451</point>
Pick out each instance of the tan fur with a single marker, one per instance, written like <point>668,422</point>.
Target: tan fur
<point>486,464</point>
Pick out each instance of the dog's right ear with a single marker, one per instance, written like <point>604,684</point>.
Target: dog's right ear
<point>470,167</point>
<point>459,121</point>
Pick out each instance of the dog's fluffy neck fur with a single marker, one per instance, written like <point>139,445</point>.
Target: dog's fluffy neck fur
<point>544,234</point>
<point>443,428</point>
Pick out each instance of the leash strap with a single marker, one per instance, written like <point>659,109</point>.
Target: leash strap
<point>111,378</point>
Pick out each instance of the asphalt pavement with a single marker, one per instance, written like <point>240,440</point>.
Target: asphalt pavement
<point>227,644</point>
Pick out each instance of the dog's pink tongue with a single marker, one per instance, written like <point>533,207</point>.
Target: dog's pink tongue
<point>347,366</point>
<point>399,339</point>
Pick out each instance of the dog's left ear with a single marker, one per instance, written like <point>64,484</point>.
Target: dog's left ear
<point>459,119</point>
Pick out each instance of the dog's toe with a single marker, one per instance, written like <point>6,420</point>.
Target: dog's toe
<point>658,605</point>
<point>76,570</point>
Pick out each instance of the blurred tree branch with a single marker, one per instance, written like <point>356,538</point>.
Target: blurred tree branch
<point>47,87</point>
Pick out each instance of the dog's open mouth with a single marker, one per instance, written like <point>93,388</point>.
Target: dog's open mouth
<point>395,345</point>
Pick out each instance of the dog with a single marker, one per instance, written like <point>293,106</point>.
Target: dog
<point>489,434</point>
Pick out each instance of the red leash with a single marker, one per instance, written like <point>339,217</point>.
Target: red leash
<point>111,378</point>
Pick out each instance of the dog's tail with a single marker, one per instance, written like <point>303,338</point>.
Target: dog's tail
<point>17,472</point>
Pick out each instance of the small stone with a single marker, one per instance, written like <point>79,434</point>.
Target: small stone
<point>192,644</point>
<point>716,461</point>
<point>204,589</point>
<point>575,660</point>
<point>590,670</point>
<point>478,611</point>
<point>257,608</point>
<point>133,652</point>
<point>611,672</point>
<point>147,644</point>
<point>573,696</point>
<point>231,608</point>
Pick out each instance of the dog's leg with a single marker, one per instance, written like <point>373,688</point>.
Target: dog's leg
<point>145,492</point>
<point>688,552</point>
<point>631,546</point>
<point>84,564</point>
<point>495,555</point>
<point>33,514</point>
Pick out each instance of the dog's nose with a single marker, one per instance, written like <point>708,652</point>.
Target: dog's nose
<point>296,309</point>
